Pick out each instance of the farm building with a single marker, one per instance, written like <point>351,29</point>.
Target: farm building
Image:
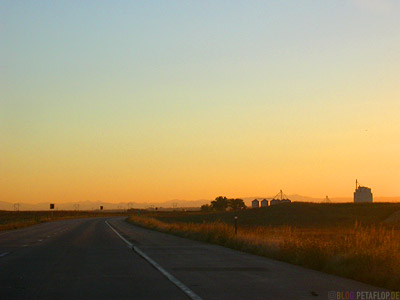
<point>362,194</point>
<point>286,201</point>
<point>255,203</point>
<point>280,198</point>
<point>274,202</point>
<point>264,203</point>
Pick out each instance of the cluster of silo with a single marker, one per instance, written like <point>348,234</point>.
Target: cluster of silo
<point>280,201</point>
<point>256,203</point>
<point>280,198</point>
<point>264,203</point>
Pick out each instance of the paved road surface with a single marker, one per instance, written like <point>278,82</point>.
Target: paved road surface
<point>85,259</point>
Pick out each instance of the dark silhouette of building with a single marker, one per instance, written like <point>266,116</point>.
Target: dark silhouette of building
<point>264,203</point>
<point>362,194</point>
<point>274,202</point>
<point>280,198</point>
<point>255,203</point>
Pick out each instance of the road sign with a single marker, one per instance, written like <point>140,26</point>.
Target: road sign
<point>101,207</point>
<point>51,205</point>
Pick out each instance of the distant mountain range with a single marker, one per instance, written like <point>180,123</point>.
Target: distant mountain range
<point>92,205</point>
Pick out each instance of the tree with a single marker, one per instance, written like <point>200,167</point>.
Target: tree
<point>206,207</point>
<point>236,204</point>
<point>220,203</point>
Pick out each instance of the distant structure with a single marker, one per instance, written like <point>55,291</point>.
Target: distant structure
<point>255,203</point>
<point>280,198</point>
<point>274,202</point>
<point>362,194</point>
<point>264,203</point>
<point>327,200</point>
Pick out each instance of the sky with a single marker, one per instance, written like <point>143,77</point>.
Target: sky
<point>158,100</point>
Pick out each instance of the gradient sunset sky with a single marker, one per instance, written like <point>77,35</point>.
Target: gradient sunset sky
<point>157,100</point>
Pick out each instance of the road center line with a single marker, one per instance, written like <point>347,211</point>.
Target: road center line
<point>170,277</point>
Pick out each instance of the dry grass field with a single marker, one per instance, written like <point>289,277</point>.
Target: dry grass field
<point>18,219</point>
<point>349,240</point>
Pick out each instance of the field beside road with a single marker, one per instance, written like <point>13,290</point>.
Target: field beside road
<point>350,240</point>
<point>298,214</point>
<point>19,219</point>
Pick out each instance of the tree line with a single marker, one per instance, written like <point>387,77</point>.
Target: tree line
<point>222,204</point>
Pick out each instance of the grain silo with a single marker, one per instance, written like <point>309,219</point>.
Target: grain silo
<point>286,201</point>
<point>280,198</point>
<point>255,203</point>
<point>274,202</point>
<point>362,194</point>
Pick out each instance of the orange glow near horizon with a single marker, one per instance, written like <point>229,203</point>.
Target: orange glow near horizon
<point>257,100</point>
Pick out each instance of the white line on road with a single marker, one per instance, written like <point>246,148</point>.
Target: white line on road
<point>170,277</point>
<point>4,254</point>
<point>122,238</point>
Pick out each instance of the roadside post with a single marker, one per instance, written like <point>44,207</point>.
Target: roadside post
<point>52,209</point>
<point>236,224</point>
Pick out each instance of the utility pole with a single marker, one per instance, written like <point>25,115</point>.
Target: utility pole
<point>236,224</point>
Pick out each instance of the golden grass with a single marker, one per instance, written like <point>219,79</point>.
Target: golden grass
<point>370,254</point>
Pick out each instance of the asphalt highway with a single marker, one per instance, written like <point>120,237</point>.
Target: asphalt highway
<point>87,259</point>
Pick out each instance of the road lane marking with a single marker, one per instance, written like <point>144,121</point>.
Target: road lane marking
<point>4,254</point>
<point>170,277</point>
<point>121,237</point>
